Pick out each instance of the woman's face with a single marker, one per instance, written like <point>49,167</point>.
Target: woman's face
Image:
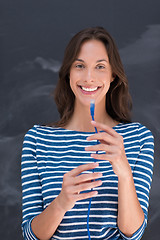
<point>91,73</point>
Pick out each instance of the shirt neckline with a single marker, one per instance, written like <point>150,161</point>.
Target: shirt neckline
<point>76,131</point>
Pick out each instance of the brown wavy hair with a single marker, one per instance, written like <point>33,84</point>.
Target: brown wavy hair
<point>118,99</point>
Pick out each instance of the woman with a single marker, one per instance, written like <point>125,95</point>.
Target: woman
<point>64,167</point>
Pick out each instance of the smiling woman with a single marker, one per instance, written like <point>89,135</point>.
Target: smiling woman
<point>118,101</point>
<point>63,169</point>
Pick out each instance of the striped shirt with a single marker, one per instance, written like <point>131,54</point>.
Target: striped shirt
<point>48,153</point>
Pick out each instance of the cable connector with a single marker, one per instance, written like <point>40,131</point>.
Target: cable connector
<point>92,109</point>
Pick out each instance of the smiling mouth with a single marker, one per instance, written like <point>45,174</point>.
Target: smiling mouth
<point>89,90</point>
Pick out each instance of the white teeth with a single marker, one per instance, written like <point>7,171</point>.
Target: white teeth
<point>89,89</point>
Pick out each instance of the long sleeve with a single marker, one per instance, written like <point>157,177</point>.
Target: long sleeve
<point>32,203</point>
<point>142,175</point>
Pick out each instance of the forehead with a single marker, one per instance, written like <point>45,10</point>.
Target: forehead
<point>93,48</point>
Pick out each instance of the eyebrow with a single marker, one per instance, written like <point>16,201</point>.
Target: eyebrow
<point>100,60</point>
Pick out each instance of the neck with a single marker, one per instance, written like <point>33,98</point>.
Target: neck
<point>81,118</point>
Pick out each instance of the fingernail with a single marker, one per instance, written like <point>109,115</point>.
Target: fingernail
<point>95,193</point>
<point>96,164</point>
<point>93,121</point>
<point>100,174</point>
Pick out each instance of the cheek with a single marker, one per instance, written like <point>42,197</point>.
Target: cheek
<point>107,79</point>
<point>74,78</point>
<point>75,75</point>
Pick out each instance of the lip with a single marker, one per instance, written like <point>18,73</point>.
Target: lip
<point>89,92</point>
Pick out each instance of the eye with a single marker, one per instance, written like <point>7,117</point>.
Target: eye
<point>80,66</point>
<point>100,66</point>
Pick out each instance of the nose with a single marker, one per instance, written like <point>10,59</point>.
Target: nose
<point>89,76</point>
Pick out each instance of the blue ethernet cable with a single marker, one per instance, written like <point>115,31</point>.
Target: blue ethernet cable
<point>92,108</point>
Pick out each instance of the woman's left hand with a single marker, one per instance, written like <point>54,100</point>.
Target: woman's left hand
<point>112,143</point>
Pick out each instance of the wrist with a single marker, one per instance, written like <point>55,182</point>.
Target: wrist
<point>58,206</point>
<point>126,176</point>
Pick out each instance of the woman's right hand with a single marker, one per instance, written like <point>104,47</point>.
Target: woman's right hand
<point>74,182</point>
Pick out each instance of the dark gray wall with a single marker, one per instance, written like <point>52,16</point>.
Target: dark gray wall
<point>33,35</point>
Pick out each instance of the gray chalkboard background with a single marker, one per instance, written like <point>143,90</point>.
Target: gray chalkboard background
<point>33,36</point>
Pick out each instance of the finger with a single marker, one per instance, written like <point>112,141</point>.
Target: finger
<point>100,147</point>
<point>105,128</point>
<point>106,157</point>
<point>82,196</point>
<point>102,137</point>
<point>86,177</point>
<point>87,186</point>
<point>85,167</point>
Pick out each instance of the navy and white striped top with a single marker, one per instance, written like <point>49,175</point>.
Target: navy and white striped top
<point>48,153</point>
